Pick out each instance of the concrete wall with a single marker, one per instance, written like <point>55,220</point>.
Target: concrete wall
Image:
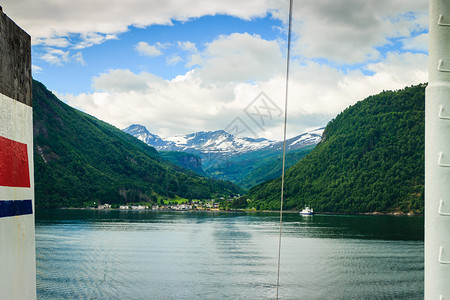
<point>15,61</point>
<point>17,239</point>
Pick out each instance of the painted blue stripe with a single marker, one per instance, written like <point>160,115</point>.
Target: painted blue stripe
<point>11,208</point>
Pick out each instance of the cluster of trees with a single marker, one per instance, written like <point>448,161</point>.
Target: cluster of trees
<point>371,159</point>
<point>79,158</point>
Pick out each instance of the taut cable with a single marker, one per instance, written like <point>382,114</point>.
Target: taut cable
<point>284,142</point>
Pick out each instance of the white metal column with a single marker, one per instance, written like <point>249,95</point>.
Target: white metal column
<point>437,155</point>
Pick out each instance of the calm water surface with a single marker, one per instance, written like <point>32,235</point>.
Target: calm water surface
<point>86,254</point>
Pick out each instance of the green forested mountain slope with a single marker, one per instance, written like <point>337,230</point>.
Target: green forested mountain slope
<point>269,168</point>
<point>80,159</point>
<point>371,159</point>
<point>252,168</point>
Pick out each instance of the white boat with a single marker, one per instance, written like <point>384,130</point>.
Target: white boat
<point>307,211</point>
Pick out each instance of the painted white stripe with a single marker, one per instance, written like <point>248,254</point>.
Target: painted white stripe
<point>17,253</point>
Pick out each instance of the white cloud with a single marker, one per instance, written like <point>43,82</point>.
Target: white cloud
<point>173,60</point>
<point>53,19</point>
<point>344,31</point>
<point>238,58</point>
<point>193,102</point>
<point>78,57</point>
<point>187,46</point>
<point>56,57</point>
<point>228,72</point>
<point>349,31</point>
<point>89,39</point>
<point>407,68</point>
<point>36,69</point>
<point>119,81</point>
<point>144,48</point>
<point>59,42</point>
<point>59,57</point>
<point>161,103</point>
<point>417,43</point>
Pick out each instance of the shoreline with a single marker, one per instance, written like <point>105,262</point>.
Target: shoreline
<point>244,211</point>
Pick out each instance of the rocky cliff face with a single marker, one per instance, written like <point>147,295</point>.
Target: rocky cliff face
<point>185,160</point>
<point>192,162</point>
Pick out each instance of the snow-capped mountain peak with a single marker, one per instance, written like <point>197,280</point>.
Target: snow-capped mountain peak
<point>141,132</point>
<point>312,137</point>
<point>219,141</point>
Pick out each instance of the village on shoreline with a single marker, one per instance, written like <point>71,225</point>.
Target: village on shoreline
<point>212,205</point>
<point>220,204</point>
<point>196,205</point>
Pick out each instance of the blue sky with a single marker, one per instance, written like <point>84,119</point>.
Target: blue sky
<point>121,53</point>
<point>183,66</point>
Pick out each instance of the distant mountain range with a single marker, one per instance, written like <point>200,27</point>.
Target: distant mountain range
<point>242,160</point>
<point>220,142</point>
<point>81,161</point>
<point>199,142</point>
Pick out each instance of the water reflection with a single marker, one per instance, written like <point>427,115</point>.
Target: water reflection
<point>195,255</point>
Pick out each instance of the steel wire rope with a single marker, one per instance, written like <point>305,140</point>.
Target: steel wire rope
<point>284,143</point>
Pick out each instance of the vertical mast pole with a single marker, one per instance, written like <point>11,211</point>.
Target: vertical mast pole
<point>437,155</point>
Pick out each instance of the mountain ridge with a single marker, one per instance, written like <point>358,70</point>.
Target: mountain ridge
<point>244,161</point>
<point>80,160</point>
<point>200,142</point>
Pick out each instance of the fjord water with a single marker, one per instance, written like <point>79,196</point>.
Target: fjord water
<point>87,254</point>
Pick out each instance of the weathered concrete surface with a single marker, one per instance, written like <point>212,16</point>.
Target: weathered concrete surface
<point>15,61</point>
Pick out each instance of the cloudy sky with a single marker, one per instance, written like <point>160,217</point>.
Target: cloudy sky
<point>180,66</point>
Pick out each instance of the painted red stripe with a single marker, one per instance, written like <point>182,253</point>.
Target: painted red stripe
<point>14,169</point>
